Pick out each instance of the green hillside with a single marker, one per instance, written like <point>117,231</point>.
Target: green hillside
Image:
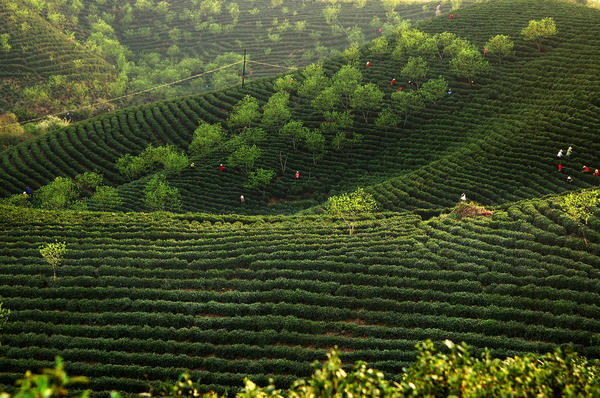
<point>227,297</point>
<point>114,48</point>
<point>43,69</point>
<point>496,141</point>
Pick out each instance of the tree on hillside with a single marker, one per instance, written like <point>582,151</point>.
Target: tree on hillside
<point>53,253</point>
<point>105,198</point>
<point>276,111</point>
<point>4,313</point>
<point>206,137</point>
<point>443,40</point>
<point>407,102</point>
<point>469,63</point>
<point>245,113</point>
<point>284,83</point>
<point>315,142</point>
<point>387,118</point>
<point>345,81</point>
<point>326,100</point>
<point>415,70</point>
<point>366,98</point>
<point>88,181</point>
<point>501,46</point>
<point>159,195</point>
<point>314,81</point>
<point>434,89</point>
<point>294,130</point>
<point>62,193</point>
<point>539,30</point>
<point>260,179</point>
<point>580,206</point>
<point>349,207</point>
<point>244,156</point>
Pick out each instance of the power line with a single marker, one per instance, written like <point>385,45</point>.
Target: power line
<point>134,93</point>
<point>147,90</point>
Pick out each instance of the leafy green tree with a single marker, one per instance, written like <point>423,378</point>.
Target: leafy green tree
<point>62,193</point>
<point>387,118</point>
<point>345,81</point>
<point>4,44</point>
<point>356,35</point>
<point>206,137</point>
<point>415,70</point>
<point>132,166</point>
<point>366,98</point>
<point>276,111</point>
<point>434,89</point>
<point>442,41</point>
<point>315,142</point>
<point>4,314</point>
<point>500,45</point>
<point>53,253</point>
<point>379,46</point>
<point>244,156</point>
<point>106,198</point>
<point>326,100</point>
<point>88,181</point>
<point>284,83</point>
<point>350,206</point>
<point>352,54</point>
<point>468,64</point>
<point>414,43</point>
<point>294,130</point>
<point>159,195</point>
<point>580,206</point>
<point>408,102</point>
<point>245,113</point>
<point>225,77</point>
<point>260,179</point>
<point>314,81</point>
<point>539,30</point>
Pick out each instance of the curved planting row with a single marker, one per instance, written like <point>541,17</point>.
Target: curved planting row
<point>144,296</point>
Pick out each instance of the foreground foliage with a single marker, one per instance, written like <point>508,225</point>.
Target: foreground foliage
<point>456,373</point>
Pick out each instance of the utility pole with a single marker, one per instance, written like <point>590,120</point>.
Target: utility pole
<point>244,69</point>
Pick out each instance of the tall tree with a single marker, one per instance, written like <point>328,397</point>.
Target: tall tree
<point>315,142</point>
<point>468,64</point>
<point>540,30</point>
<point>580,206</point>
<point>366,98</point>
<point>53,253</point>
<point>500,45</point>
<point>345,81</point>
<point>206,137</point>
<point>245,113</point>
<point>276,111</point>
<point>408,102</point>
<point>415,70</point>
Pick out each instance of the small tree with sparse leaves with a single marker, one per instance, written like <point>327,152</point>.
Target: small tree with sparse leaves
<point>500,45</point>
<point>350,206</point>
<point>260,179</point>
<point>53,253</point>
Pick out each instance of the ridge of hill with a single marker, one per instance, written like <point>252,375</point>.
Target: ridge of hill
<point>497,141</point>
<point>226,297</point>
<point>40,63</point>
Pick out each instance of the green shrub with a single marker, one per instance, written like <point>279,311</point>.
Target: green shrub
<point>159,195</point>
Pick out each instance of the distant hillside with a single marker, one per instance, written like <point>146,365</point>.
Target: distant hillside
<point>106,49</point>
<point>44,70</point>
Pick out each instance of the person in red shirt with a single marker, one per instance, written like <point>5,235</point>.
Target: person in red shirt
<point>586,169</point>
<point>485,51</point>
<point>368,63</point>
<point>297,174</point>
<point>221,168</point>
<point>597,172</point>
<point>451,16</point>
<point>393,82</point>
<point>560,167</point>
<point>400,88</point>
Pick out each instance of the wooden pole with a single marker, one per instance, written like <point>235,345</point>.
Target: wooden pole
<point>244,69</point>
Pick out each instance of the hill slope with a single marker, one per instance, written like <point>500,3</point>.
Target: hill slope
<point>43,69</point>
<point>496,141</point>
<point>228,297</point>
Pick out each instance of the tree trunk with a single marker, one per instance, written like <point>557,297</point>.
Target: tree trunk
<point>314,158</point>
<point>539,45</point>
<point>282,162</point>
<point>405,119</point>
<point>351,229</point>
<point>365,116</point>
<point>54,276</point>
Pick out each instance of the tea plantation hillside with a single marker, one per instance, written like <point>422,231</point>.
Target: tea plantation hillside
<point>128,46</point>
<point>151,295</point>
<point>497,141</point>
<point>36,53</point>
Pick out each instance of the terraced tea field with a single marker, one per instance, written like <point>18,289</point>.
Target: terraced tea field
<point>230,297</point>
